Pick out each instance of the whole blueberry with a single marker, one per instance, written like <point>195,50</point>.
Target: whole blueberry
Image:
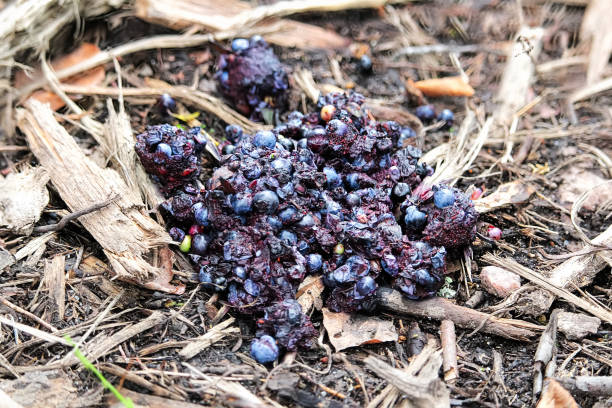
<point>303,247</point>
<point>288,237</point>
<point>265,202</point>
<point>337,127</point>
<point>332,177</point>
<point>251,287</point>
<point>164,149</point>
<point>353,200</point>
<point>314,262</point>
<point>425,112</point>
<point>400,191</point>
<point>240,44</point>
<point>166,103</point>
<point>389,264</point>
<point>424,278</point>
<point>444,197</point>
<point>201,216</point>
<point>228,149</point>
<point>365,64</point>
<point>242,203</point>
<point>365,285</point>
<point>265,138</point>
<point>447,116</point>
<point>306,222</point>
<point>205,276</point>
<point>414,218</point>
<point>199,244</point>
<point>240,272</point>
<point>233,133</point>
<point>264,349</point>
<point>252,171</point>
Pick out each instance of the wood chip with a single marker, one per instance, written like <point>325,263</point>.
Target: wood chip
<point>55,282</point>
<point>212,336</point>
<point>514,192</point>
<point>123,229</point>
<point>23,197</point>
<point>351,330</point>
<point>576,326</point>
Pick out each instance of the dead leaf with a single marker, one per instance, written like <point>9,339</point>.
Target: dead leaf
<point>448,86</point>
<point>555,396</point>
<point>577,181</point>
<point>514,192</point>
<point>350,330</point>
<point>94,76</point>
<point>23,197</point>
<point>309,293</point>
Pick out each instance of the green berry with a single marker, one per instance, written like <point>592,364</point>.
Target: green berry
<point>186,244</point>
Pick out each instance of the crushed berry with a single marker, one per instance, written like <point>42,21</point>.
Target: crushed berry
<point>343,201</point>
<point>252,77</point>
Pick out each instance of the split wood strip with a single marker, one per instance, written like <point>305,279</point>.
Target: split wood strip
<point>538,279</point>
<point>102,345</point>
<point>441,309</point>
<point>213,15</point>
<point>449,351</point>
<point>215,334</point>
<point>123,229</point>
<point>55,281</point>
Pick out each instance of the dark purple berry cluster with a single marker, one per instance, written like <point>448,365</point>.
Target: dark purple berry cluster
<point>333,193</point>
<point>252,77</point>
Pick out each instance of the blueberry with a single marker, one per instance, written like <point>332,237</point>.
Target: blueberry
<point>344,274</point>
<point>265,138</point>
<point>353,181</point>
<point>252,171</point>
<point>365,64</point>
<point>425,112</point>
<point>166,103</point>
<point>302,143</point>
<point>201,216</point>
<point>447,116</point>
<point>332,177</point>
<point>205,276</point>
<point>424,278</point>
<point>294,310</point>
<point>242,203</point>
<point>353,200</point>
<point>233,133</point>
<point>444,197</point>
<point>165,149</point>
<point>365,285</point>
<point>288,237</point>
<point>337,128</point>
<point>240,44</point>
<point>288,144</point>
<point>264,349</point>
<point>314,262</point>
<point>265,202</point>
<point>251,288</point>
<point>400,191</point>
<point>274,222</point>
<point>153,138</point>
<point>199,244</point>
<point>228,149</point>
<point>240,272</point>
<point>288,215</point>
<point>176,234</point>
<point>306,222</point>
<point>438,260</point>
<point>414,218</point>
<point>358,265</point>
<point>303,247</point>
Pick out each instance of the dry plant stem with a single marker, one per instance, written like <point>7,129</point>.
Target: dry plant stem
<point>591,385</point>
<point>27,314</point>
<point>55,281</point>
<point>123,229</point>
<point>231,390</point>
<point>73,216</point>
<point>441,309</point>
<point>591,90</point>
<point>138,380</point>
<point>544,354</point>
<point>578,271</point>
<point>449,350</point>
<point>50,338</point>
<point>538,279</point>
<point>218,332</point>
<point>198,99</point>
<point>449,48</point>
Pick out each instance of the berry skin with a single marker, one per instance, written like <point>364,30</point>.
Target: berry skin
<point>265,138</point>
<point>199,244</point>
<point>185,244</point>
<point>400,191</point>
<point>425,112</point>
<point>332,177</point>
<point>494,233</point>
<point>443,198</point>
<point>265,202</point>
<point>406,134</point>
<point>288,237</point>
<point>414,218</point>
<point>447,116</point>
<point>201,216</point>
<point>240,44</point>
<point>164,149</point>
<point>327,112</point>
<point>264,349</point>
<point>365,64</point>
<point>233,133</point>
<point>242,203</point>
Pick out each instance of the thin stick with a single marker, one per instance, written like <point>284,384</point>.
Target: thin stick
<point>48,337</point>
<point>449,350</point>
<point>73,216</point>
<point>29,315</point>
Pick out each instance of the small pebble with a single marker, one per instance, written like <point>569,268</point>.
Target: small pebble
<point>498,281</point>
